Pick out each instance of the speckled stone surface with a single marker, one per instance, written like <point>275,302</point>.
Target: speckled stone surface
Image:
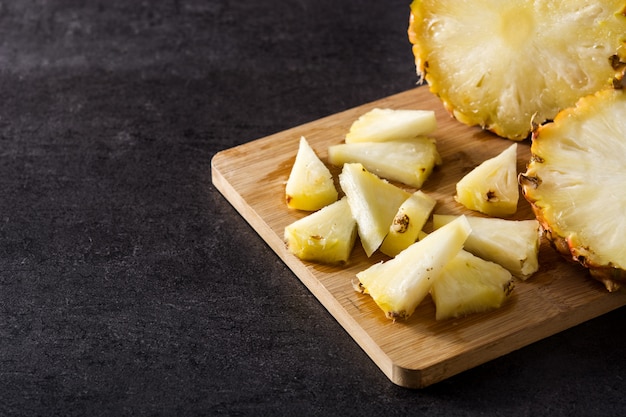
<point>129,285</point>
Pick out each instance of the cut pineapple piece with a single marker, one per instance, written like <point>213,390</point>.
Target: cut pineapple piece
<point>408,223</point>
<point>409,161</point>
<point>379,125</point>
<point>514,244</point>
<point>326,236</point>
<point>469,284</point>
<point>400,284</point>
<point>576,184</point>
<point>504,65</point>
<point>374,203</point>
<point>492,188</point>
<point>310,185</point>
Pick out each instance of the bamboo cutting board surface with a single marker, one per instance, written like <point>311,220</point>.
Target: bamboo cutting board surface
<point>419,351</point>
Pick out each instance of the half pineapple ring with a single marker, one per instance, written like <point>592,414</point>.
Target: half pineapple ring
<point>506,65</point>
<point>576,184</point>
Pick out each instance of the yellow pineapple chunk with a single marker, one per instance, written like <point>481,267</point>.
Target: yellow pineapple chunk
<point>408,223</point>
<point>492,188</point>
<point>325,236</point>
<point>513,244</point>
<point>408,161</point>
<point>399,285</point>
<point>504,65</point>
<point>310,185</point>
<point>374,203</point>
<point>379,125</point>
<point>469,284</point>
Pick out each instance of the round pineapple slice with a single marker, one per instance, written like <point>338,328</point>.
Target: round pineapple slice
<point>508,65</point>
<point>576,184</point>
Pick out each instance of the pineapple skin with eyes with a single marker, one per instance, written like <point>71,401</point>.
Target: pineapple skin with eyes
<point>408,223</point>
<point>575,183</point>
<point>507,66</point>
<point>492,188</point>
<point>310,185</point>
<point>327,235</point>
<point>469,284</point>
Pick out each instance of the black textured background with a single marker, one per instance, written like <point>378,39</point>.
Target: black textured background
<point>129,286</point>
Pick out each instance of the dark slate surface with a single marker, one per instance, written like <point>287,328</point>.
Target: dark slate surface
<point>129,286</point>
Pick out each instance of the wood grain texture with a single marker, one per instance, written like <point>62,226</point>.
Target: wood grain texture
<point>419,351</point>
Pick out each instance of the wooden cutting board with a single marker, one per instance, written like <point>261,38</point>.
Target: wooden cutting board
<point>419,351</point>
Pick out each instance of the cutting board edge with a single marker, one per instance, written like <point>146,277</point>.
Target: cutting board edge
<point>321,293</point>
<point>437,372</point>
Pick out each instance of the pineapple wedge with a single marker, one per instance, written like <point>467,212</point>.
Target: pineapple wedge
<point>408,223</point>
<point>506,65</point>
<point>576,183</point>
<point>407,161</point>
<point>310,185</point>
<point>379,125</point>
<point>492,188</point>
<point>400,284</point>
<point>374,203</point>
<point>469,284</point>
<point>513,244</point>
<point>325,236</point>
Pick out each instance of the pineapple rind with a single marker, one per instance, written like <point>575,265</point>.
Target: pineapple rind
<point>575,183</point>
<point>327,235</point>
<point>492,187</point>
<point>399,285</point>
<point>408,223</point>
<point>373,201</point>
<point>408,161</point>
<point>469,284</point>
<point>380,125</point>
<point>513,244</point>
<point>310,185</point>
<point>506,65</point>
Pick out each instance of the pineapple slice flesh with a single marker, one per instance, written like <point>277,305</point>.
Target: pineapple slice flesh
<point>469,284</point>
<point>576,183</point>
<point>379,125</point>
<point>408,223</point>
<point>407,161</point>
<point>492,188</point>
<point>374,203</point>
<point>504,65</point>
<point>325,236</point>
<point>513,244</point>
<point>310,185</point>
<point>399,285</point>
